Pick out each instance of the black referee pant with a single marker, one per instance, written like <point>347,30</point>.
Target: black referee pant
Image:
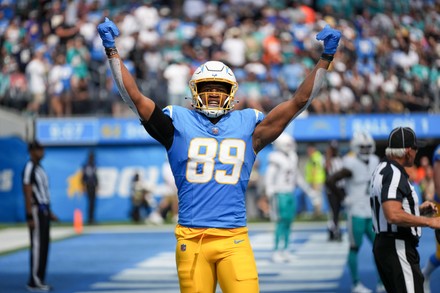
<point>40,238</point>
<point>398,264</point>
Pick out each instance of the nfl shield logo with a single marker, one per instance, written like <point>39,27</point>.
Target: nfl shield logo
<point>183,247</point>
<point>215,130</point>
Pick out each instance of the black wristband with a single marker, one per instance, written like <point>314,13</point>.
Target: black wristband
<point>327,57</point>
<point>29,217</point>
<point>110,52</point>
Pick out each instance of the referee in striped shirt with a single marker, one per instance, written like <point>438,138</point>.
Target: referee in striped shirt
<point>38,216</point>
<point>398,217</point>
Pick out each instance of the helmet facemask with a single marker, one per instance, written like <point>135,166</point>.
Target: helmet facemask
<point>363,145</point>
<point>213,103</point>
<point>364,151</point>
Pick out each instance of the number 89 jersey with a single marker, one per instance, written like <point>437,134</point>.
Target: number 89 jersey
<point>211,164</point>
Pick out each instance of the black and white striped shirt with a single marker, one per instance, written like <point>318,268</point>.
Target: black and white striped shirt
<point>35,175</point>
<point>391,182</point>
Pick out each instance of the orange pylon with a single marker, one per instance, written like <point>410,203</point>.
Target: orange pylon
<point>77,221</point>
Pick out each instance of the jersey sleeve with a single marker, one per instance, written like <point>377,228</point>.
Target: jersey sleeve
<point>259,116</point>
<point>160,127</point>
<point>168,110</point>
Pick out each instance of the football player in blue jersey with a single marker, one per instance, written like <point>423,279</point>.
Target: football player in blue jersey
<point>211,150</point>
<point>434,260</point>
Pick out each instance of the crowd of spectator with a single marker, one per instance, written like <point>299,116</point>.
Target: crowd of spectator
<point>52,62</point>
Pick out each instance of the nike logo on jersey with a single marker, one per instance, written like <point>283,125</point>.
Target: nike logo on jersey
<point>238,241</point>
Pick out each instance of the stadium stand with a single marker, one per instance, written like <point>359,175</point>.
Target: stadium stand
<point>53,63</point>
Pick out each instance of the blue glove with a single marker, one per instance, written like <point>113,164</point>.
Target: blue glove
<point>108,31</point>
<point>331,39</point>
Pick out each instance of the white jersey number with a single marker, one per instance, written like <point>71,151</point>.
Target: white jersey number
<point>202,154</point>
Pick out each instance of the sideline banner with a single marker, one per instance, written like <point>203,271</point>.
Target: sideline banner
<point>98,131</point>
<point>341,127</point>
<point>91,131</point>
<point>116,167</point>
<point>13,157</point>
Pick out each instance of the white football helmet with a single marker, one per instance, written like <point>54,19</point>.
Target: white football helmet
<point>212,72</point>
<point>285,143</point>
<point>362,144</point>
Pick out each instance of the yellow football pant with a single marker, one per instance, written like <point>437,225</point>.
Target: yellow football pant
<point>206,259</point>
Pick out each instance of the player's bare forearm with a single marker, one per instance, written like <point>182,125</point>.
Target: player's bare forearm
<point>277,120</point>
<point>308,86</point>
<point>129,88</point>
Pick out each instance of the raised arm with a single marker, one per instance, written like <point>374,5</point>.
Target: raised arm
<point>278,119</point>
<point>130,93</point>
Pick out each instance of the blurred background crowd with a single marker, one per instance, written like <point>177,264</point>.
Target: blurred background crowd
<point>52,62</point>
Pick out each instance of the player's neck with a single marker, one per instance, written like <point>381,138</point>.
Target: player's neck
<point>215,120</point>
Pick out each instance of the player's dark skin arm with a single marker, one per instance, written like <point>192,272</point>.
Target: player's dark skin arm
<point>144,105</point>
<point>157,124</point>
<point>331,181</point>
<point>279,117</point>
